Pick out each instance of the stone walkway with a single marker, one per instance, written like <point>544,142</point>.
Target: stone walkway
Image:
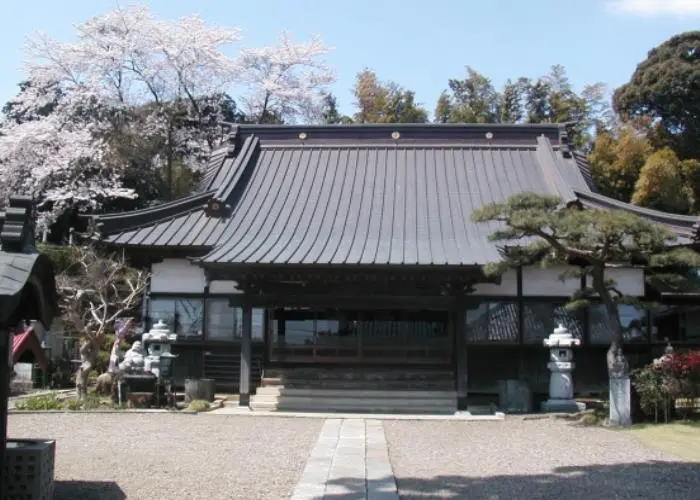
<point>351,461</point>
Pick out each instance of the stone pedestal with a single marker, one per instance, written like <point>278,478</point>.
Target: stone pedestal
<point>561,385</point>
<point>620,402</point>
<point>29,469</point>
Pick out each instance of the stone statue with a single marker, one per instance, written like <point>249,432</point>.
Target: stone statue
<point>620,366</point>
<point>134,359</point>
<point>669,348</point>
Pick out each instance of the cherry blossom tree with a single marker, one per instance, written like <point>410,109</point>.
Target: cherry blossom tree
<point>135,99</point>
<point>286,81</point>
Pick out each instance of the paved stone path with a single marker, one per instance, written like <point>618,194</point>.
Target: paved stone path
<point>351,461</point>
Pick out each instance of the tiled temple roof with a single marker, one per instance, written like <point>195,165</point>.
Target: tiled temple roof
<point>365,195</point>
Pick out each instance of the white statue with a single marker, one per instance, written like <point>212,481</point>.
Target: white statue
<point>134,359</point>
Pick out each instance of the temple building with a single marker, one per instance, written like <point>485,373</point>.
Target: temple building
<point>347,254</point>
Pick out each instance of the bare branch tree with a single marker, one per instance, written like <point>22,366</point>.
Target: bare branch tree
<point>94,291</point>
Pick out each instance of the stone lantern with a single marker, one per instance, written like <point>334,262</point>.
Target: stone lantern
<point>157,343</point>
<point>561,384</point>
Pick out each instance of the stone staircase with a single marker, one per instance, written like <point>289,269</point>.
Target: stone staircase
<point>357,390</point>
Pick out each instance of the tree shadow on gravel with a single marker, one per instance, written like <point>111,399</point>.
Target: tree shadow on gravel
<point>87,490</point>
<point>633,481</point>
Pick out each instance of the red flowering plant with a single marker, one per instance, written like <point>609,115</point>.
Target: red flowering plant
<point>673,377</point>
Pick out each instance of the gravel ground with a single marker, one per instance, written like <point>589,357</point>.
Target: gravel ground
<point>531,459</point>
<point>162,456</point>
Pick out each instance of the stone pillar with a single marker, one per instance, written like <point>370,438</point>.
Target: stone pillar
<point>620,402</point>
<point>5,352</point>
<point>620,392</point>
<point>461,346</point>
<point>246,355</point>
<point>561,384</point>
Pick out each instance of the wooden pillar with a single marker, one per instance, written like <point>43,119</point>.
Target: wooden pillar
<point>460,331</point>
<point>4,394</point>
<point>246,355</point>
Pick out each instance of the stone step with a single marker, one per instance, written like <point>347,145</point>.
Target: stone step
<point>352,393</point>
<point>340,400</point>
<point>447,385</point>
<point>359,374</point>
<point>345,400</point>
<point>445,409</point>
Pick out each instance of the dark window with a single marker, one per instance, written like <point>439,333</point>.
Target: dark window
<point>632,319</point>
<point>306,326</point>
<point>676,323</point>
<point>183,316</point>
<point>542,318</point>
<point>223,321</point>
<point>226,323</point>
<point>493,322</point>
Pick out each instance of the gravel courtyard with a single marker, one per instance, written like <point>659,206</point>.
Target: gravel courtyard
<point>531,459</point>
<point>161,456</point>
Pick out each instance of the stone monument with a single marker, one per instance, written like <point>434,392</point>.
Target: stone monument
<point>620,391</point>
<point>157,342</point>
<point>561,385</point>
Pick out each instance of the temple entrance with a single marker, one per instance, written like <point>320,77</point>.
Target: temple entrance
<point>330,336</point>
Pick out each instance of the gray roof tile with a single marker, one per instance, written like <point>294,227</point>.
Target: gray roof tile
<point>345,197</point>
<point>375,205</point>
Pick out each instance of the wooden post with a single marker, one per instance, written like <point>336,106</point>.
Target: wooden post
<point>246,358</point>
<point>4,394</point>
<point>461,346</point>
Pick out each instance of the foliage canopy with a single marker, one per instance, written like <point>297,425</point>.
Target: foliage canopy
<point>541,229</point>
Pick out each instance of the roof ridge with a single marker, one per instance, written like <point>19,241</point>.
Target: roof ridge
<point>216,161</point>
<point>288,144</point>
<point>547,161</point>
<point>218,204</point>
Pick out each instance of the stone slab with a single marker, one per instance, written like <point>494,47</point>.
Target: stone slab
<point>350,460</point>
<point>460,415</point>
<point>620,402</point>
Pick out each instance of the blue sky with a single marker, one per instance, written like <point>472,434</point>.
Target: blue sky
<point>419,44</point>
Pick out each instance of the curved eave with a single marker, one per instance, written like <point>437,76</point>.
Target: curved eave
<point>684,226</point>
<point>190,229</point>
<point>115,223</point>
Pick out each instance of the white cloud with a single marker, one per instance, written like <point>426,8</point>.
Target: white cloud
<point>650,8</point>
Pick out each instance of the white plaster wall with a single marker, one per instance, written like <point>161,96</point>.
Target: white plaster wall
<point>224,287</point>
<point>508,286</point>
<point>545,282</point>
<point>630,281</point>
<point>538,282</point>
<point>177,276</point>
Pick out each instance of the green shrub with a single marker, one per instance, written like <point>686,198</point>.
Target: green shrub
<point>63,257</point>
<point>198,405</point>
<point>43,402</point>
<point>91,401</point>
<point>74,404</point>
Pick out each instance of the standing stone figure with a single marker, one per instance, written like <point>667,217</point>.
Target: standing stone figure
<point>88,354</point>
<point>620,366</point>
<point>620,389</point>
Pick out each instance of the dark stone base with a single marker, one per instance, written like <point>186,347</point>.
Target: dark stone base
<point>562,406</point>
